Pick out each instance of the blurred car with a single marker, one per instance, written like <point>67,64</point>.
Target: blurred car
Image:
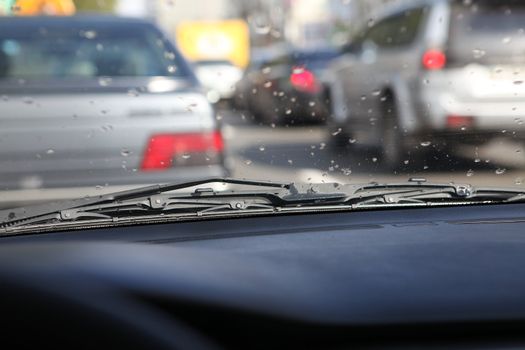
<point>244,89</point>
<point>100,101</point>
<point>432,73</point>
<point>289,88</point>
<point>219,78</point>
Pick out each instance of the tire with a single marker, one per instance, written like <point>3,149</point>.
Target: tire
<point>337,115</point>
<point>392,149</point>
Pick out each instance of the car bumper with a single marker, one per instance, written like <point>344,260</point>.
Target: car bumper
<point>491,109</point>
<point>106,178</point>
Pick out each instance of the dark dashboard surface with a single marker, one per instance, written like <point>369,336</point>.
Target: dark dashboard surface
<point>463,265</point>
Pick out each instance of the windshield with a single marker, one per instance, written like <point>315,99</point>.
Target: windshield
<point>102,96</point>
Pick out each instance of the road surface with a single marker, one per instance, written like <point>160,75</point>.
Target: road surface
<point>302,154</point>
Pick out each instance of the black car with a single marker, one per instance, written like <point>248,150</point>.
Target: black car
<point>288,89</point>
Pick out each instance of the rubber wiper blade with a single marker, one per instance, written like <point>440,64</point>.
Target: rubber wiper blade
<point>157,189</point>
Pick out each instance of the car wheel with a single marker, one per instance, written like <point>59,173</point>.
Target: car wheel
<point>337,112</point>
<point>392,149</point>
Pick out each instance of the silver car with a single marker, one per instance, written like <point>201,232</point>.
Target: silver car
<point>105,102</point>
<point>432,74</point>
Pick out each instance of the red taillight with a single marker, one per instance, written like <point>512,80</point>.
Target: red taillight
<point>304,80</point>
<point>459,122</point>
<point>434,60</point>
<point>163,149</point>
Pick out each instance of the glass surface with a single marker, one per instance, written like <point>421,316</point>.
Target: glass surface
<point>296,91</point>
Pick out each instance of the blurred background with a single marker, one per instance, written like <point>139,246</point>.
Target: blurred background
<point>235,46</point>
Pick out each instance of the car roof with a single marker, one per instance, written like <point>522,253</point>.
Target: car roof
<point>78,21</point>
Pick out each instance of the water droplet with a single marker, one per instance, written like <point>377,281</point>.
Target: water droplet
<point>133,93</point>
<point>425,143</point>
<point>186,156</point>
<point>518,181</point>
<point>50,151</point>
<point>371,22</point>
<point>506,40</point>
<point>337,132</point>
<point>104,81</point>
<point>406,162</point>
<point>107,128</point>
<point>376,93</point>
<point>501,171</point>
<point>266,70</point>
<point>268,84</point>
<point>478,53</point>
<point>262,148</point>
<point>311,104</point>
<point>125,152</point>
<point>169,55</point>
<point>89,34</point>
<point>470,173</point>
<point>172,69</point>
<point>288,112</point>
<point>248,162</point>
<point>275,33</point>
<point>28,100</point>
<point>346,171</point>
<point>260,25</point>
<point>374,160</point>
<point>477,160</point>
<point>352,141</point>
<point>298,70</point>
<point>290,161</point>
<point>190,107</point>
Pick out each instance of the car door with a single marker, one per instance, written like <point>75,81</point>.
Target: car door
<point>386,53</point>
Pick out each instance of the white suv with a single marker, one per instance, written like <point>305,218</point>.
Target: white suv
<point>434,73</point>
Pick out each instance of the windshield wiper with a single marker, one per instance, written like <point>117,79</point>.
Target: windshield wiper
<point>157,200</point>
<point>262,197</point>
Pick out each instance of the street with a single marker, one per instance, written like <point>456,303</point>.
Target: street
<point>302,154</point>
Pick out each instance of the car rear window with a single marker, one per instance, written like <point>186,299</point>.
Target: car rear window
<point>487,32</point>
<point>114,51</point>
<point>314,60</point>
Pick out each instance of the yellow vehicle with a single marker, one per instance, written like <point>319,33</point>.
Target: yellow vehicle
<point>215,40</point>
<point>44,7</point>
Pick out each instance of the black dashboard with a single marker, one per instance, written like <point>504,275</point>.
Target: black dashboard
<point>443,277</point>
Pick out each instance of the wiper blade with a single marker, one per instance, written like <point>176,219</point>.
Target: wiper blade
<point>157,200</point>
<point>263,196</point>
<point>428,193</point>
